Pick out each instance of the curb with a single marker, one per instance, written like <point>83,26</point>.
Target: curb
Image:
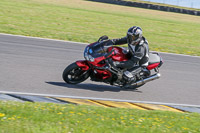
<point>16,96</point>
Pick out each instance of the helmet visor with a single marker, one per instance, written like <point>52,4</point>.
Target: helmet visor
<point>131,38</point>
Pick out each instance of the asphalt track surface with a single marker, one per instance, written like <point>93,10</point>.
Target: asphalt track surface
<point>34,65</point>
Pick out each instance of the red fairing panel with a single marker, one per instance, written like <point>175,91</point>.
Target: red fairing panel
<point>119,55</point>
<point>97,60</point>
<point>83,65</point>
<point>152,66</point>
<point>103,74</point>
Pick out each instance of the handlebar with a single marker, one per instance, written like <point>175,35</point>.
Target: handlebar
<point>110,53</point>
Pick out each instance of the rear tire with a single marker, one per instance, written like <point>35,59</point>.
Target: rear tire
<point>73,74</point>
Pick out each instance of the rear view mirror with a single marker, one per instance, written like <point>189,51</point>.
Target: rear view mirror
<point>102,38</point>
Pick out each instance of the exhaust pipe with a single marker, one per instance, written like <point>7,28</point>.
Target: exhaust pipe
<point>153,77</point>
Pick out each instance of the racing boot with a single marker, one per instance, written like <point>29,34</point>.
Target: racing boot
<point>131,76</point>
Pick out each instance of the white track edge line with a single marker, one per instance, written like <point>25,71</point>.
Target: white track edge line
<point>82,43</point>
<point>48,39</point>
<point>93,98</point>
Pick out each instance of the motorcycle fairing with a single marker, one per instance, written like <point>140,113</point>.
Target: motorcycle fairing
<point>97,61</point>
<point>102,74</point>
<point>83,65</point>
<point>118,54</point>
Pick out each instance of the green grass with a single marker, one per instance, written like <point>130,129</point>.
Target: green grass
<point>17,117</point>
<point>86,21</point>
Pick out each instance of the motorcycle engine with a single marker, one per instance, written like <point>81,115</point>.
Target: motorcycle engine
<point>129,77</point>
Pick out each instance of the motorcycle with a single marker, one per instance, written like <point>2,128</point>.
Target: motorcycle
<point>98,65</point>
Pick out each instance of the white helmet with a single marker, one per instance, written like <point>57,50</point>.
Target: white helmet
<point>134,35</point>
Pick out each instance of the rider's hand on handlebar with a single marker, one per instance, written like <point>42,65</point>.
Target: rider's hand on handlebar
<point>113,41</point>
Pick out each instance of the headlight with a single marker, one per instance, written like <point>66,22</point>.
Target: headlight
<point>91,58</point>
<point>88,56</point>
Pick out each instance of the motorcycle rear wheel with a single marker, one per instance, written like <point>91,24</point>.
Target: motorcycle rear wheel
<point>73,74</point>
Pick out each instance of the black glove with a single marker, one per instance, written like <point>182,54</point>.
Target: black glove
<point>113,41</point>
<point>119,41</point>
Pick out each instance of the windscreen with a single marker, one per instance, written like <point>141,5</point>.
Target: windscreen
<point>100,48</point>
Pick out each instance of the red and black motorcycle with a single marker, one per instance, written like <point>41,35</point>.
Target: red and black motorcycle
<point>98,65</point>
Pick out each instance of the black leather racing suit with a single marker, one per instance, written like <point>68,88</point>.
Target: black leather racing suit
<point>139,53</point>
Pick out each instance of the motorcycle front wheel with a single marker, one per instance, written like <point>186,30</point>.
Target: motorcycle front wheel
<point>73,74</point>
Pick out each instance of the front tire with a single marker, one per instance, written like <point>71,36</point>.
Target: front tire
<point>73,74</point>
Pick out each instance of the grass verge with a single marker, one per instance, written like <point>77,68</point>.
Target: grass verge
<point>17,117</point>
<point>86,21</point>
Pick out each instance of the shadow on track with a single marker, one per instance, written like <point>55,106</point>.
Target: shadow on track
<point>92,87</point>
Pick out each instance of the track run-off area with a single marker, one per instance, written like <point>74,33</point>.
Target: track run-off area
<point>35,65</point>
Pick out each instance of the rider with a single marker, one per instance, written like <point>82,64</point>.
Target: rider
<point>138,49</point>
